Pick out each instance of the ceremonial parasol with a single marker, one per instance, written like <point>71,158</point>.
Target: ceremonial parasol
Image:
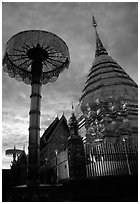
<point>35,57</point>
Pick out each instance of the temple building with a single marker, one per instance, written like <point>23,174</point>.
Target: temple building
<point>53,151</point>
<point>54,138</point>
<point>101,136</point>
<point>62,151</point>
<point>108,107</point>
<point>19,169</point>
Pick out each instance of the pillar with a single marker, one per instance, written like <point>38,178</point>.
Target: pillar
<point>34,127</point>
<point>76,158</point>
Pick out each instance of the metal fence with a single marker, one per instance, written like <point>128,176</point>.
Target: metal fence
<point>102,159</point>
<point>106,159</point>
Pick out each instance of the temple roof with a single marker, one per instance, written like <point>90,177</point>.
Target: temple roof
<point>48,132</point>
<point>51,130</point>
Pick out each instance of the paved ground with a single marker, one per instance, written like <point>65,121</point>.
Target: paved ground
<point>103,189</point>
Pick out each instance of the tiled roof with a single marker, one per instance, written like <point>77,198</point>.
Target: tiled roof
<point>48,132</point>
<point>51,129</point>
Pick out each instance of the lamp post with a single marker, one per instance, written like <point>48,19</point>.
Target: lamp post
<point>56,154</point>
<point>127,159</point>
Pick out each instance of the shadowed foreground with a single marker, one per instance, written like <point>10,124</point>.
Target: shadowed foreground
<point>118,188</point>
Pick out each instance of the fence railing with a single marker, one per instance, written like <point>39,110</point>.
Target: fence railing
<point>106,159</point>
<point>102,159</point>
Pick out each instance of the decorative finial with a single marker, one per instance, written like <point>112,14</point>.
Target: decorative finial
<point>100,50</point>
<point>94,22</point>
<point>14,154</point>
<point>72,106</point>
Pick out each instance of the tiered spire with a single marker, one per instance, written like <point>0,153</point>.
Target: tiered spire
<point>100,50</point>
<point>107,79</point>
<point>73,125</point>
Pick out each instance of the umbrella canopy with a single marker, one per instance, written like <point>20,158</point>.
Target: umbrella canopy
<point>35,45</point>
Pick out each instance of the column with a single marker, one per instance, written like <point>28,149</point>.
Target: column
<point>34,127</point>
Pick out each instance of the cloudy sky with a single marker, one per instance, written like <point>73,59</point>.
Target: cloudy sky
<point>72,21</point>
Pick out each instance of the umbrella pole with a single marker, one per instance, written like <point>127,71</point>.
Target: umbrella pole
<point>34,128</point>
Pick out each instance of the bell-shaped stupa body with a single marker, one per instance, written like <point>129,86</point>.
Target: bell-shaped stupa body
<point>108,80</point>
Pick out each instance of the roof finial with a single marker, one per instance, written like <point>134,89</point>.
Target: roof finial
<point>73,112</point>
<point>72,106</point>
<point>100,50</point>
<point>14,154</point>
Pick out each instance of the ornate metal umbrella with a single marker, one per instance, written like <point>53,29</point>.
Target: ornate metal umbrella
<point>13,152</point>
<point>35,57</point>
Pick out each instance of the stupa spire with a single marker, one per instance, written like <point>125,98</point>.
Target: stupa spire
<point>100,50</point>
<point>72,107</point>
